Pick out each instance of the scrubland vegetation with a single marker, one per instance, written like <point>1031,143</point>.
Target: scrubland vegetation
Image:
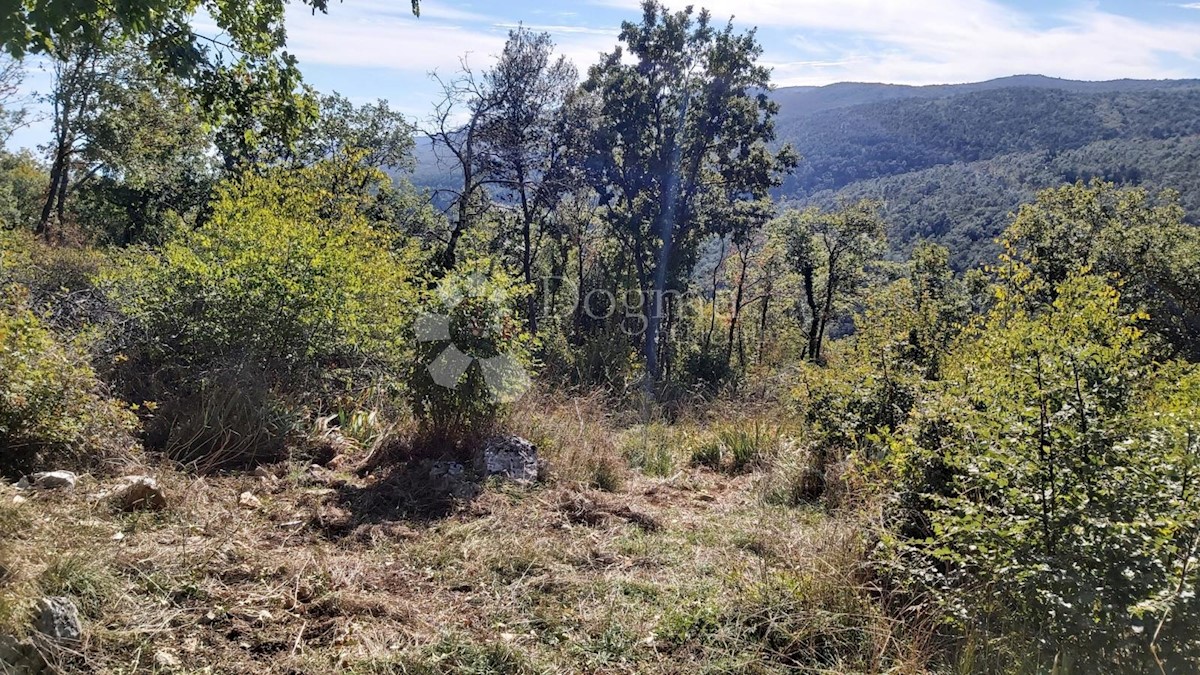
<point>770,446</point>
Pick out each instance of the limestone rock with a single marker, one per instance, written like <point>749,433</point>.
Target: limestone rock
<point>58,619</point>
<point>247,500</point>
<point>136,493</point>
<point>510,457</point>
<point>50,480</point>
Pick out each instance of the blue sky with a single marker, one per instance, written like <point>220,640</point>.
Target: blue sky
<point>368,49</point>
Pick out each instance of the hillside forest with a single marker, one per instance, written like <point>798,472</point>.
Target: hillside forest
<point>859,378</point>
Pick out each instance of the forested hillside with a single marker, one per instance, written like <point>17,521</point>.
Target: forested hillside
<point>964,206</point>
<point>951,163</point>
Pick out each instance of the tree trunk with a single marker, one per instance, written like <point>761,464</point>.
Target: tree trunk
<point>527,254</point>
<point>737,309</point>
<point>762,325</point>
<point>666,232</point>
<point>712,321</point>
<point>58,175</point>
<point>813,350</point>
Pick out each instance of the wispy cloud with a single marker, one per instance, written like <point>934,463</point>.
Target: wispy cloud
<point>934,41</point>
<point>373,34</point>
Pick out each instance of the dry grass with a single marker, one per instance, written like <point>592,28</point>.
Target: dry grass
<point>688,573</point>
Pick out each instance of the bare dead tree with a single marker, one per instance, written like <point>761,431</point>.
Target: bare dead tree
<point>453,129</point>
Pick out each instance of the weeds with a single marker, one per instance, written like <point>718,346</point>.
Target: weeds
<point>737,448</point>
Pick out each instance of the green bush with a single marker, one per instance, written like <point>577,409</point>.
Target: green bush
<point>1053,481</point>
<point>60,281</point>
<point>287,286</point>
<point>23,182</point>
<point>473,355</point>
<point>54,411</point>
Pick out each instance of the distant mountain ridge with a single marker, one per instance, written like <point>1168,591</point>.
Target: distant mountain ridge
<point>807,100</point>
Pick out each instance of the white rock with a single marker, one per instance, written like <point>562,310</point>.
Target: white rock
<point>247,500</point>
<point>510,457</point>
<point>58,619</point>
<point>137,492</point>
<point>165,659</point>
<point>53,480</point>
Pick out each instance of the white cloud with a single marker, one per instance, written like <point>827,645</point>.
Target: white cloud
<point>374,34</point>
<point>937,41</point>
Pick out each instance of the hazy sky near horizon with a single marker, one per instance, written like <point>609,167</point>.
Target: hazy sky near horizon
<point>368,49</point>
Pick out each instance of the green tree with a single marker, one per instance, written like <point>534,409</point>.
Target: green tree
<point>681,149</point>
<point>143,165</point>
<point>244,83</point>
<point>1125,232</point>
<point>13,113</point>
<point>373,133</point>
<point>129,155</point>
<point>527,158</point>
<point>829,252</point>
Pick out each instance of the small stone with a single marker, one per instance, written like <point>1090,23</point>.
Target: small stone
<point>18,500</point>
<point>53,480</point>
<point>137,493</point>
<point>319,474</point>
<point>58,619</point>
<point>165,659</point>
<point>247,500</point>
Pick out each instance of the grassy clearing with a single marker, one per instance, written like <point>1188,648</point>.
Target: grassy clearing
<point>689,573</point>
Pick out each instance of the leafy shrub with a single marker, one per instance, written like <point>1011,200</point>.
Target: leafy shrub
<point>473,355</point>
<point>1054,482</point>
<point>60,281</point>
<point>287,284</point>
<point>23,184</point>
<point>1142,238</point>
<point>54,412</point>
